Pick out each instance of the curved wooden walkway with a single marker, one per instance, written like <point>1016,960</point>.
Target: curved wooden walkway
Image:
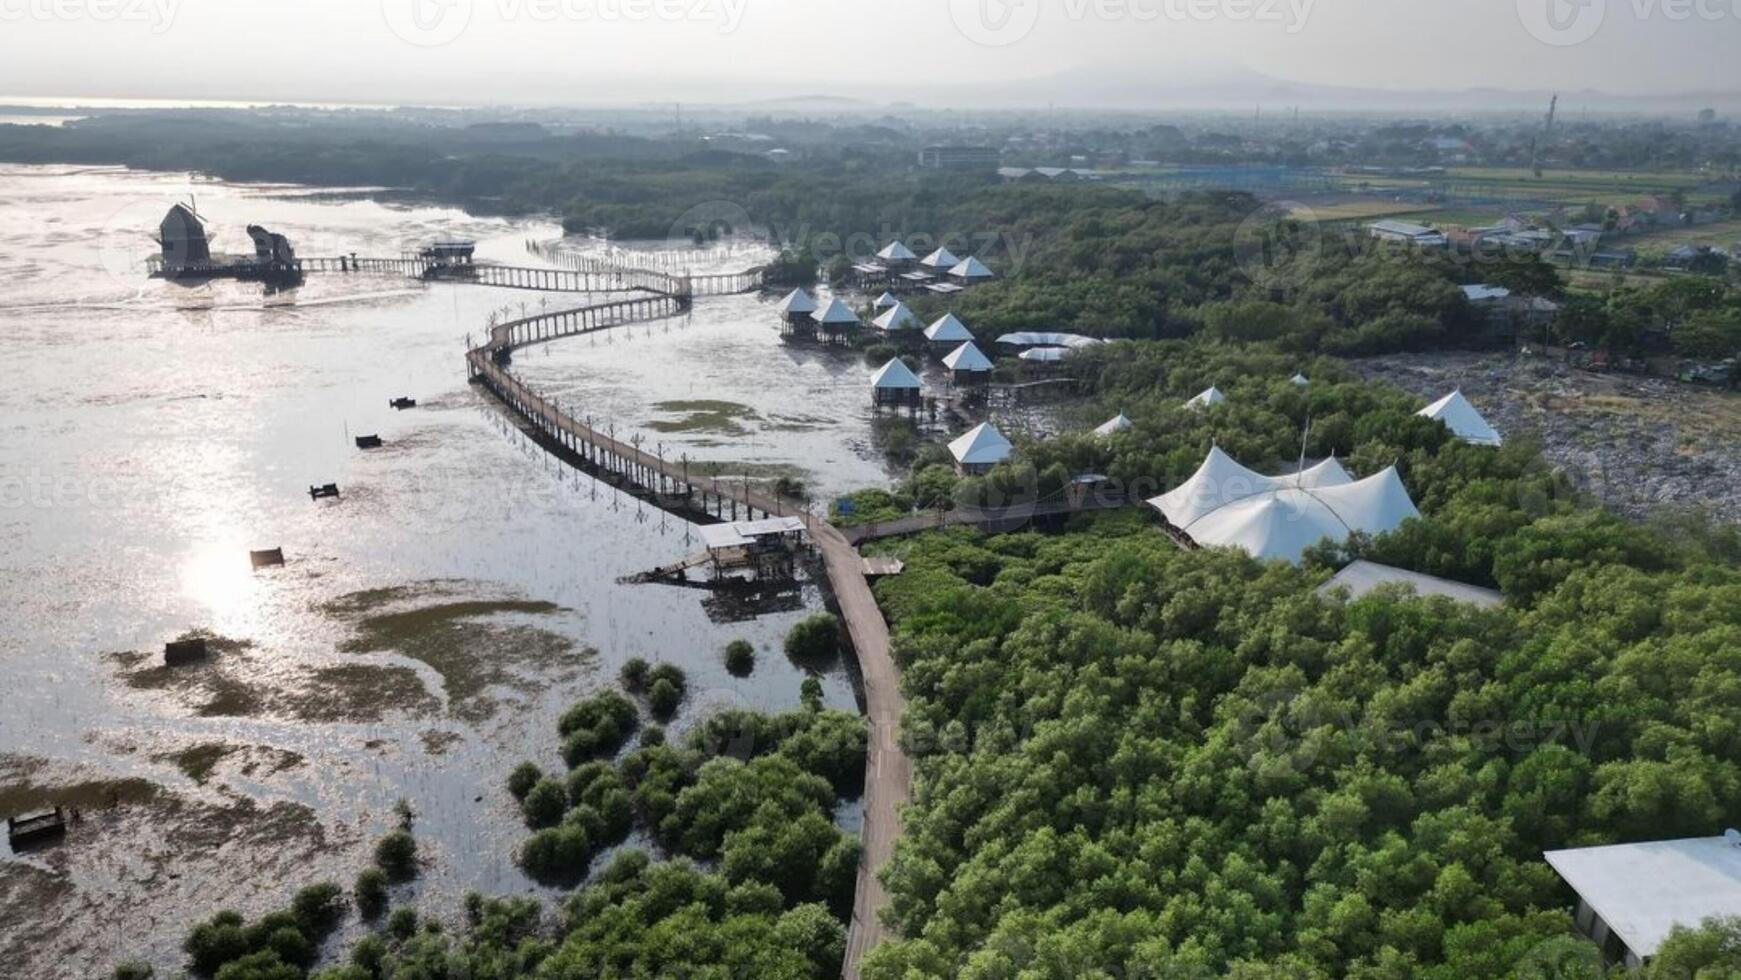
<point>888,771</point>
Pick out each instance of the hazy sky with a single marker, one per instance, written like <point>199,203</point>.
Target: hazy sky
<point>934,51</point>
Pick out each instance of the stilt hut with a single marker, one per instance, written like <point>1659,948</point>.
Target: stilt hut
<point>897,258</point>
<point>1207,399</point>
<point>886,301</point>
<point>939,263</point>
<point>897,319</point>
<point>795,314</point>
<point>968,364</point>
<point>896,386</point>
<point>970,272</point>
<point>836,321</point>
<point>982,448</point>
<point>948,332</point>
<point>1120,424</point>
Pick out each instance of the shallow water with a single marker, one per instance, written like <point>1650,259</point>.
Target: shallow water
<point>429,625</point>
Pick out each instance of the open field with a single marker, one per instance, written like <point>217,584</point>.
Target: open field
<point>1717,233</point>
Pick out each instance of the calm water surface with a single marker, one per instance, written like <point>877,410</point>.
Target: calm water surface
<point>152,434</point>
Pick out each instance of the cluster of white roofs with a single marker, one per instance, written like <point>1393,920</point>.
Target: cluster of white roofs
<point>941,261</point>
<point>1225,504</point>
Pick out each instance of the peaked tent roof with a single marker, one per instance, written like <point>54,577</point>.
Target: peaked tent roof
<point>940,259</point>
<point>983,445</point>
<point>971,268</point>
<point>1120,424</point>
<point>1222,506</point>
<point>967,358</point>
<point>835,312</point>
<point>897,317</point>
<point>886,301</point>
<point>1046,355</point>
<point>1034,338</point>
<point>896,252</point>
<point>895,375</point>
<point>948,330</point>
<point>1211,397</point>
<point>1301,380</point>
<point>798,301</point>
<point>1221,481</point>
<point>1462,419</point>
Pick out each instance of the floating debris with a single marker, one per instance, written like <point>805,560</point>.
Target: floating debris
<point>369,442</point>
<point>330,490</point>
<point>267,558</point>
<point>179,652</point>
<point>402,403</point>
<point>35,828</point>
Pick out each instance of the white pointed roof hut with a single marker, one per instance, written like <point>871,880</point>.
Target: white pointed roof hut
<point>1120,424</point>
<point>942,260</point>
<point>896,252</point>
<point>1225,504</point>
<point>971,269</point>
<point>948,330</point>
<point>897,317</point>
<point>1301,380</point>
<point>981,448</point>
<point>1211,397</point>
<point>1463,420</point>
<point>886,301</point>
<point>895,376</point>
<point>836,312</point>
<point>967,359</point>
<point>797,301</point>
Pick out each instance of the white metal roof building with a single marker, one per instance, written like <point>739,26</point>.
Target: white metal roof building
<point>967,359</point>
<point>971,269</point>
<point>1300,380</point>
<point>1226,505</point>
<point>942,260</point>
<point>886,301</point>
<point>896,252</point>
<point>896,318</point>
<point>1364,577</point>
<point>895,375</point>
<point>797,301</point>
<point>948,330</point>
<point>1631,896</point>
<point>1463,420</point>
<point>745,534</point>
<point>836,312</point>
<point>980,449</point>
<point>1032,338</point>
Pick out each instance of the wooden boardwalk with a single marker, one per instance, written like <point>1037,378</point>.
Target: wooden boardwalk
<point>888,771</point>
<point>996,519</point>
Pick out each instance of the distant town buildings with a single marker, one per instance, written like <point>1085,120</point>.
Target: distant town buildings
<point>960,157</point>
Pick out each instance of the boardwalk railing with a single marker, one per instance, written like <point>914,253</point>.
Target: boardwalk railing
<point>682,284</point>
<point>888,771</point>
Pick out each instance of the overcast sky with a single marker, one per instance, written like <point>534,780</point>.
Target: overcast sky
<point>933,51</point>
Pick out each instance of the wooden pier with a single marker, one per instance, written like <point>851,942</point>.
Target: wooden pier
<point>888,771</point>
<point>656,280</point>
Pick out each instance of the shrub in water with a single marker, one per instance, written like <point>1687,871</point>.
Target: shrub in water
<point>664,697</point>
<point>740,658</point>
<point>397,855</point>
<point>523,778</point>
<point>371,893</point>
<point>543,807</point>
<point>816,638</point>
<point>634,674</point>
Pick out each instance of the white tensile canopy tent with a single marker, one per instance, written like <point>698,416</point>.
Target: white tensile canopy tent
<point>1301,380</point>
<point>886,301</point>
<point>1046,355</point>
<point>967,358</point>
<point>895,375</point>
<point>896,252</point>
<point>941,260</point>
<point>948,330</point>
<point>897,317</point>
<point>1463,420</point>
<point>1226,505</point>
<point>1042,339</point>
<point>1211,397</point>
<point>1120,424</point>
<point>982,446</point>
<point>971,269</point>
<point>797,301</point>
<point>835,312</point>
